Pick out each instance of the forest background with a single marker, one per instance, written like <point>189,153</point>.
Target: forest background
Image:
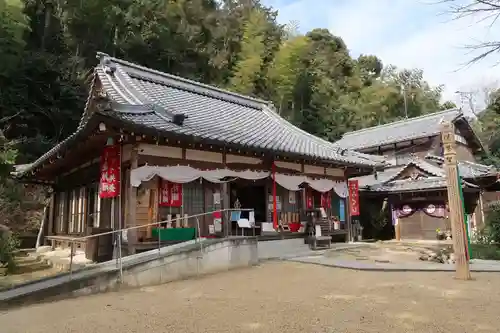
<point>48,50</point>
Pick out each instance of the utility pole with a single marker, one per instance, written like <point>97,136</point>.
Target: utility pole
<point>460,243</point>
<point>403,88</point>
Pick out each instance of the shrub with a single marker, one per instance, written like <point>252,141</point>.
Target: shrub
<point>9,243</point>
<point>491,230</point>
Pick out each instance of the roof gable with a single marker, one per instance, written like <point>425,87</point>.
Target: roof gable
<point>416,169</point>
<point>419,174</point>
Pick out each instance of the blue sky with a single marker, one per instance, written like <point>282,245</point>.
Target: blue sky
<point>405,33</point>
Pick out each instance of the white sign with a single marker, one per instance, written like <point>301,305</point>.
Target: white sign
<point>270,205</point>
<point>218,225</point>
<point>216,198</point>
<point>211,229</point>
<point>292,197</point>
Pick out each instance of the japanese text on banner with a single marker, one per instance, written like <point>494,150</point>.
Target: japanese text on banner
<point>170,194</point>
<point>354,198</point>
<point>109,183</point>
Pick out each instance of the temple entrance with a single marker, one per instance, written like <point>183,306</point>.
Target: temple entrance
<point>248,195</point>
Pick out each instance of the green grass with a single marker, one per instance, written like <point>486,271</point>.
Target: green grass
<point>485,251</point>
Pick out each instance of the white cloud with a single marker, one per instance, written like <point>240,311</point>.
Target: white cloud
<point>405,33</point>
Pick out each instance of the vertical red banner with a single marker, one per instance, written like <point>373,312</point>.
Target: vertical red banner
<point>170,194</point>
<point>164,193</point>
<point>354,197</point>
<point>309,199</point>
<point>175,195</point>
<point>326,200</point>
<point>109,183</point>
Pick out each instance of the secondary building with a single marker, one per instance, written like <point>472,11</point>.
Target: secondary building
<point>412,186</point>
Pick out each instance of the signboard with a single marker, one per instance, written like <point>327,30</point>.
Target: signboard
<point>216,198</point>
<point>353,197</point>
<point>292,197</point>
<point>342,210</point>
<point>217,216</point>
<point>109,183</point>
<point>170,194</point>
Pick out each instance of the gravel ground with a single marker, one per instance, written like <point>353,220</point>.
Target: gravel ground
<point>279,297</point>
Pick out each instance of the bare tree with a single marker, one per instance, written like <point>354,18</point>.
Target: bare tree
<point>483,11</point>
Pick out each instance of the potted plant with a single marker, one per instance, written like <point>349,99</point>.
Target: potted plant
<point>447,234</point>
<point>439,234</point>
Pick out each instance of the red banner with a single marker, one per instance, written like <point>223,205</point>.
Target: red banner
<point>170,194</point>
<point>109,183</point>
<point>309,199</point>
<point>326,200</point>
<point>354,198</point>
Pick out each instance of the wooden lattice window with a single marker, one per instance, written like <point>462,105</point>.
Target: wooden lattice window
<point>77,211</point>
<point>94,206</point>
<point>60,213</point>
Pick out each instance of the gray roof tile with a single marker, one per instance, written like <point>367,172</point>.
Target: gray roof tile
<point>468,169</point>
<point>386,180</point>
<point>408,129</point>
<point>213,114</point>
<point>147,97</point>
<point>407,185</point>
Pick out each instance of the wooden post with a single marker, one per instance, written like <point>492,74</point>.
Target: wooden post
<point>52,207</point>
<point>397,229</point>
<point>460,245</point>
<point>226,216</point>
<point>132,234</point>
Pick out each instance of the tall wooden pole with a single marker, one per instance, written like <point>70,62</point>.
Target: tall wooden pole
<point>460,245</point>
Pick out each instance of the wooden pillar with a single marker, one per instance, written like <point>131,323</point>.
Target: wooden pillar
<point>460,245</point>
<point>67,208</point>
<point>397,229</point>
<point>132,202</point>
<point>481,209</point>
<point>52,206</point>
<point>226,218</point>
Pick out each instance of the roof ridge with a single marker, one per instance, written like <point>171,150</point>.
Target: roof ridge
<point>196,85</point>
<point>402,121</point>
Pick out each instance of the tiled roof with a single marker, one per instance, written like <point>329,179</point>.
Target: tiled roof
<point>403,130</point>
<point>390,174</point>
<point>386,180</point>
<point>152,99</point>
<point>474,170</point>
<point>408,185</point>
<point>468,169</point>
<point>380,177</point>
<point>212,114</point>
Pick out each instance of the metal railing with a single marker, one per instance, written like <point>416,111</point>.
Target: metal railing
<point>118,235</point>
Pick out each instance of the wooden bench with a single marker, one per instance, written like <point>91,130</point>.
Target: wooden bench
<point>65,242</point>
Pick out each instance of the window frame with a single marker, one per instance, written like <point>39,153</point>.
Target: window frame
<point>76,212</point>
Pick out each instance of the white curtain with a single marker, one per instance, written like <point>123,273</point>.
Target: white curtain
<point>321,184</point>
<point>341,189</point>
<point>185,174</point>
<point>290,182</point>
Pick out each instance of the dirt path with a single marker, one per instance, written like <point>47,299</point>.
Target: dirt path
<point>279,297</point>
